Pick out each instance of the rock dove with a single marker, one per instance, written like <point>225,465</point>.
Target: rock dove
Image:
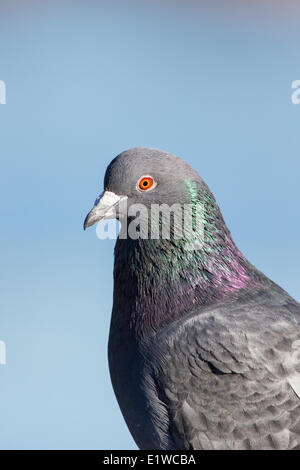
<point>204,349</point>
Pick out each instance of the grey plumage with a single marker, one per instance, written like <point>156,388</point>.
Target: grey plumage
<point>203,348</point>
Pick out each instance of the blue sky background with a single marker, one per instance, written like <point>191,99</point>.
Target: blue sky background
<point>86,80</point>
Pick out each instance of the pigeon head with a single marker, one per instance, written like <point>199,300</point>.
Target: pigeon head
<point>142,176</point>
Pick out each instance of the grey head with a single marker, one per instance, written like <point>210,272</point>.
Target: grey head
<point>142,176</point>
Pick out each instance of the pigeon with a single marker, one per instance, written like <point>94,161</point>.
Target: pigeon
<point>204,349</point>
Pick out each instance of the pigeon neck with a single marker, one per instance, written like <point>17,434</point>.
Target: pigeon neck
<point>159,281</point>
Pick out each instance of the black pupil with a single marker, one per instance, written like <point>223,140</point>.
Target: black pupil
<point>145,183</point>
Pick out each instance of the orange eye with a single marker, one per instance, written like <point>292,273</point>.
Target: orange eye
<point>146,183</point>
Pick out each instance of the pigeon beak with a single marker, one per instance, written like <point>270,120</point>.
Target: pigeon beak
<point>104,208</point>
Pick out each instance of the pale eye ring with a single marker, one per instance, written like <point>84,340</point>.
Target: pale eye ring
<point>145,183</point>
